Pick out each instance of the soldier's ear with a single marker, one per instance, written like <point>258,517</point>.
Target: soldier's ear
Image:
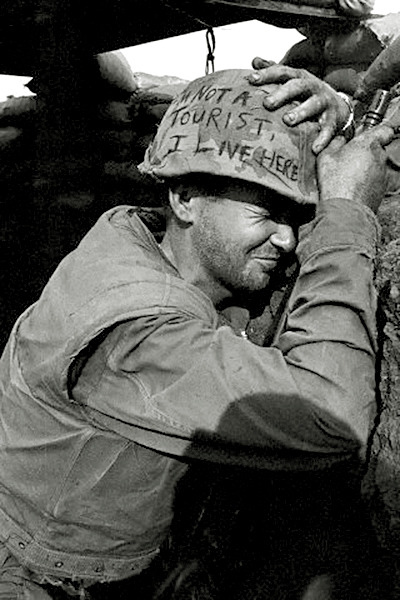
<point>183,205</point>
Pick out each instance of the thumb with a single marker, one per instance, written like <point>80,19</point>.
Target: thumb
<point>383,133</point>
<point>260,63</point>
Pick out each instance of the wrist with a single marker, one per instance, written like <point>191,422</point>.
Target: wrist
<point>339,222</point>
<point>346,205</point>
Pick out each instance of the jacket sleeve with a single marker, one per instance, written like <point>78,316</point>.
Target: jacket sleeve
<point>182,386</point>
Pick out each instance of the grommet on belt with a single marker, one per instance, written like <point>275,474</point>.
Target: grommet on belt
<point>99,569</point>
<point>21,545</point>
<point>59,563</point>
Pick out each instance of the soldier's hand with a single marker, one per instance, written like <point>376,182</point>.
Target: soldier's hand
<point>356,170</point>
<point>318,100</point>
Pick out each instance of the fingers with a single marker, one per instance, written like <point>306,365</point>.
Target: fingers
<point>310,109</point>
<point>291,90</point>
<point>393,121</point>
<point>273,73</point>
<point>377,138</point>
<point>322,140</point>
<point>315,99</point>
<point>383,134</point>
<point>328,129</point>
<point>294,88</point>
<point>260,63</point>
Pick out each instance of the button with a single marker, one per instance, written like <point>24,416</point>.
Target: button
<point>21,545</point>
<point>58,563</point>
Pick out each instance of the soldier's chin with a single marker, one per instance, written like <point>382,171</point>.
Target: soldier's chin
<point>254,299</point>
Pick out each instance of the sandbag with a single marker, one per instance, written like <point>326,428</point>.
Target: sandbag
<point>116,71</point>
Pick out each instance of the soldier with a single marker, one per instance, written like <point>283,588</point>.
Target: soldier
<point>126,371</point>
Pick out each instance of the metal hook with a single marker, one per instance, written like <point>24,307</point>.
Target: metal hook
<point>210,38</point>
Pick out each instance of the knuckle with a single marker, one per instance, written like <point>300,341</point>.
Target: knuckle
<point>291,71</point>
<point>329,128</point>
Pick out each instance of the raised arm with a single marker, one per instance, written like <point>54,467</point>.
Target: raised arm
<point>308,399</point>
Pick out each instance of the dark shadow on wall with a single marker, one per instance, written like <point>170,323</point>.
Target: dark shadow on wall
<point>243,533</point>
<point>264,535</point>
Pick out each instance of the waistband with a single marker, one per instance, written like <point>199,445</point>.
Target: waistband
<point>59,564</point>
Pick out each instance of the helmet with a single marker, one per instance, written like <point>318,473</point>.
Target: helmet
<point>218,125</point>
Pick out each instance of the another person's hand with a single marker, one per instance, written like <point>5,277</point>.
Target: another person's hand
<point>356,170</point>
<point>318,100</point>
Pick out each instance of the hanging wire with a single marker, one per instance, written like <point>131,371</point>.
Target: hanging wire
<point>210,38</point>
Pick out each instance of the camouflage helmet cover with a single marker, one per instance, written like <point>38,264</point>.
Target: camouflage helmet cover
<point>218,125</point>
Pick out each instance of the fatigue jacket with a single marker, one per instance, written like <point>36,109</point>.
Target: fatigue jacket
<point>120,375</point>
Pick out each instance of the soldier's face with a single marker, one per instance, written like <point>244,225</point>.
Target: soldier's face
<point>243,235</point>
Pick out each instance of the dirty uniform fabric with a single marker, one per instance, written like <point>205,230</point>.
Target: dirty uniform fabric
<point>120,375</point>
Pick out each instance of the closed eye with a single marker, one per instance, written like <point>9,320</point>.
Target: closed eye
<point>258,212</point>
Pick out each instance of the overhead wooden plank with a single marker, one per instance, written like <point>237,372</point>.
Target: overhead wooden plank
<point>109,25</point>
